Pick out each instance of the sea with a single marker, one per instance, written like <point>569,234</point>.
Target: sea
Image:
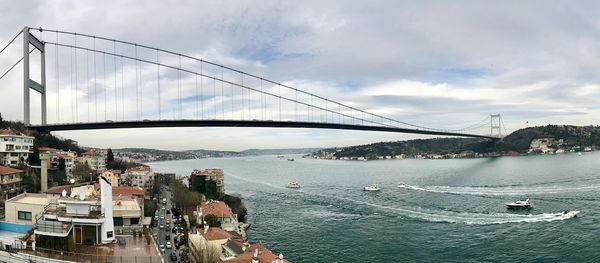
<point>451,210</point>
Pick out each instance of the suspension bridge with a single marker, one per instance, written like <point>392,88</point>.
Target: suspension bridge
<point>97,82</point>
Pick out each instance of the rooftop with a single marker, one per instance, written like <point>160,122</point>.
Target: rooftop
<point>214,233</point>
<point>262,254</point>
<point>30,198</point>
<point>209,172</point>
<point>8,170</point>
<point>127,191</point>
<point>218,208</point>
<point>10,132</point>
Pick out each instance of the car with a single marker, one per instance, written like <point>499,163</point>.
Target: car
<point>156,217</point>
<point>167,228</point>
<point>168,212</point>
<point>162,248</point>
<point>169,245</point>
<point>168,237</point>
<point>173,256</point>
<point>168,221</point>
<point>161,226</point>
<point>162,217</point>
<point>163,208</point>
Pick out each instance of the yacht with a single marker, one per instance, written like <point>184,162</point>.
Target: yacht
<point>371,188</point>
<point>293,185</point>
<point>520,204</point>
<point>568,214</point>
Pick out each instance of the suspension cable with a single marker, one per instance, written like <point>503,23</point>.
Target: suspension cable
<point>11,41</point>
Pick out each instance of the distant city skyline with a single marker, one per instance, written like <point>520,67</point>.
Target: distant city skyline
<point>434,64</point>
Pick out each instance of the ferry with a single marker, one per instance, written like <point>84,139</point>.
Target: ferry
<point>520,204</point>
<point>371,188</point>
<point>293,185</point>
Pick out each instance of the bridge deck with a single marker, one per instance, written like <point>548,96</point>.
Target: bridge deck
<point>240,123</point>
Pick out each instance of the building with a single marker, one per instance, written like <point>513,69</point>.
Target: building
<point>113,176</point>
<point>95,160</point>
<point>10,182</point>
<point>15,147</point>
<point>128,209</point>
<point>141,176</point>
<point>55,155</point>
<point>214,236</point>
<point>24,208</point>
<point>84,217</point>
<point>256,253</point>
<point>223,213</point>
<point>214,174</point>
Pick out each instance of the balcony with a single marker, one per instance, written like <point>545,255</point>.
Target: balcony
<point>94,211</point>
<point>10,181</point>
<point>52,228</point>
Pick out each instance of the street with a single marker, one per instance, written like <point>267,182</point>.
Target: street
<point>164,237</point>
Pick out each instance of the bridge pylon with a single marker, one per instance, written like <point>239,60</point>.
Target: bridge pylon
<point>496,125</point>
<point>28,83</point>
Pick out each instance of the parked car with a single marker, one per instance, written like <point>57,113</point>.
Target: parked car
<point>169,245</point>
<point>173,256</point>
<point>168,237</point>
<point>161,226</point>
<point>162,248</point>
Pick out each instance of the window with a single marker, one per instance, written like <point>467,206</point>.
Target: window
<point>109,234</point>
<point>134,221</point>
<point>24,215</point>
<point>118,221</point>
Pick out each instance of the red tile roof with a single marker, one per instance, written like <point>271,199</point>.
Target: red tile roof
<point>58,189</point>
<point>127,191</point>
<point>8,170</point>
<point>10,132</point>
<point>47,149</point>
<point>217,208</point>
<point>264,255</point>
<point>214,233</point>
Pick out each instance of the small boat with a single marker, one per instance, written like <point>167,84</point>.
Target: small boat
<point>291,159</point>
<point>280,156</point>
<point>293,185</point>
<point>579,153</point>
<point>371,188</point>
<point>568,214</point>
<point>403,185</point>
<point>520,204</point>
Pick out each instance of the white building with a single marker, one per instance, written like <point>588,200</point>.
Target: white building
<point>55,155</point>
<point>14,147</point>
<point>95,160</point>
<point>141,176</point>
<point>86,216</point>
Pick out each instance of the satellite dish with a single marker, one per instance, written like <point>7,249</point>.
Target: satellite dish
<point>72,180</point>
<point>64,193</point>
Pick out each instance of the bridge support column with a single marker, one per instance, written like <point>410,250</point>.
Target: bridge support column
<point>28,83</point>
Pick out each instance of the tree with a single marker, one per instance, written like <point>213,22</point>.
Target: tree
<point>110,157</point>
<point>1,121</point>
<point>203,254</point>
<point>82,172</point>
<point>212,220</point>
<point>211,190</point>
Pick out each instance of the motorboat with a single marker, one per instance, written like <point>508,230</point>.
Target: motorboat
<point>568,214</point>
<point>520,204</point>
<point>290,159</point>
<point>293,185</point>
<point>403,185</point>
<point>371,188</point>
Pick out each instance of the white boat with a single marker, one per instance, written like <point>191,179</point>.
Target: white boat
<point>371,188</point>
<point>293,185</point>
<point>520,204</point>
<point>579,153</point>
<point>403,185</point>
<point>568,214</point>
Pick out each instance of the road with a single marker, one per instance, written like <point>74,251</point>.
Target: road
<point>160,233</point>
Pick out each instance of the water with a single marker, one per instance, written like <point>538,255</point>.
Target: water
<point>452,211</point>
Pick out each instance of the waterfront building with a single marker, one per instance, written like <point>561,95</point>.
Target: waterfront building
<point>214,236</point>
<point>256,253</point>
<point>223,213</point>
<point>15,147</point>
<point>94,159</point>
<point>10,182</point>
<point>214,174</point>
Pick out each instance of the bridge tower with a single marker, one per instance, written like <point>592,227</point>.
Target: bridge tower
<point>496,125</point>
<point>28,83</point>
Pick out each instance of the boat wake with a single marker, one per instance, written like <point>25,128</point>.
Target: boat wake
<point>502,190</point>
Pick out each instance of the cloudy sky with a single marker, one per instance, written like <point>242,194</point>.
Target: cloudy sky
<point>442,64</point>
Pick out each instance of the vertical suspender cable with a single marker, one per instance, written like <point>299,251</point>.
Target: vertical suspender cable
<point>222,95</point>
<point>115,78</point>
<point>279,102</point>
<point>95,85</point>
<point>57,83</point>
<point>262,100</point>
<point>104,85</point>
<point>137,99</point>
<point>87,78</point>
<point>122,92</point>
<point>215,96</point>
<point>201,91</point>
<point>243,101</point>
<point>76,85</point>
<point>71,84</point>
<point>158,82</point>
<point>196,96</point>
<point>179,88</point>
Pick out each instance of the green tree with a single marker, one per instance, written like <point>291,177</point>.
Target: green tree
<point>150,207</point>
<point>212,220</point>
<point>110,157</point>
